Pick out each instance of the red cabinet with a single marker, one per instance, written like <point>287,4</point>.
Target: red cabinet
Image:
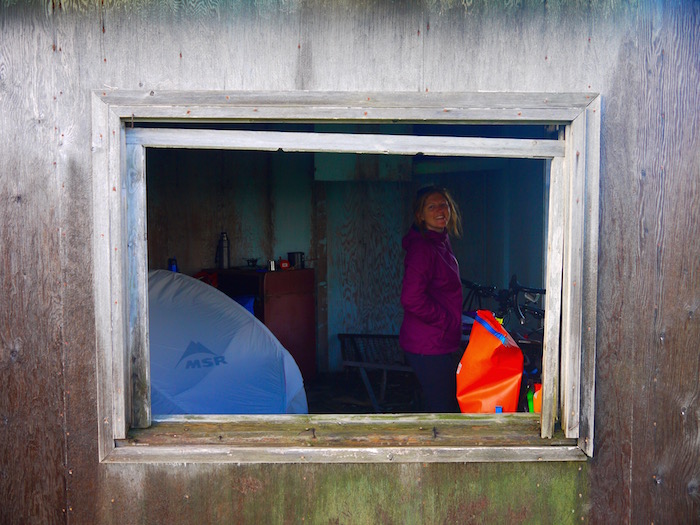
<point>285,302</point>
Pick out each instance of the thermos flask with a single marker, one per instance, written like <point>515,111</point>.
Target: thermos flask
<point>223,252</point>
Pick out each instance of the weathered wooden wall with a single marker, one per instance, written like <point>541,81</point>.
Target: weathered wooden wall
<point>641,56</point>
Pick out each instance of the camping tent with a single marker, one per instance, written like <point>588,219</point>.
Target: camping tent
<point>209,355</point>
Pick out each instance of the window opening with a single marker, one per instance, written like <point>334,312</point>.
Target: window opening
<point>119,161</point>
<point>264,201</point>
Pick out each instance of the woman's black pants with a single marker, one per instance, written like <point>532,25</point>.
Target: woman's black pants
<point>437,375</point>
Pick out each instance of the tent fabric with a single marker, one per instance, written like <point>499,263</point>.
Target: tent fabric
<point>209,355</point>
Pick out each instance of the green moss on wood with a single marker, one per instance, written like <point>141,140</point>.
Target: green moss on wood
<point>349,494</point>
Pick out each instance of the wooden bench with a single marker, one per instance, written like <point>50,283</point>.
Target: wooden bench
<point>368,352</point>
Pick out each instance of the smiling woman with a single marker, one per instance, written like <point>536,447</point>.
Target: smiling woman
<point>436,213</point>
<point>435,209</point>
<point>431,296</point>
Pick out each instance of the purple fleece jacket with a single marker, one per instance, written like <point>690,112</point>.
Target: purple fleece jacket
<point>431,295</point>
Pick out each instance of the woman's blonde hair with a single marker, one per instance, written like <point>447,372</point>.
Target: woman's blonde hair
<point>454,225</point>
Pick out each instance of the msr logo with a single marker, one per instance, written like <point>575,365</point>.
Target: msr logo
<point>202,362</point>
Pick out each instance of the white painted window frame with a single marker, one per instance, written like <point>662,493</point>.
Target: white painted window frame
<point>120,262</point>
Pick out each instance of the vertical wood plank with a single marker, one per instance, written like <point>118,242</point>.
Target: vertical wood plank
<point>137,287</point>
<point>572,278</point>
<point>553,285</point>
<point>34,235</point>
<point>101,255</point>
<point>590,276</point>
<point>663,296</point>
<point>121,416</point>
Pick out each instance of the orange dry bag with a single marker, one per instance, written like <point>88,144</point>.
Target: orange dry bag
<point>489,373</point>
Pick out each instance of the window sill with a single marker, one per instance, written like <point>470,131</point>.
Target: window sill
<point>387,438</point>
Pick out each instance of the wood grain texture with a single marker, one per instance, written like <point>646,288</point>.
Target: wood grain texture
<point>590,277</point>
<point>444,146</point>
<point>120,370</point>
<point>33,346</point>
<point>365,261</point>
<point>572,276</point>
<point>646,444</point>
<point>665,462</point>
<point>139,371</point>
<point>616,348</point>
<point>553,299</point>
<point>347,431</point>
<point>347,493</point>
<point>344,455</point>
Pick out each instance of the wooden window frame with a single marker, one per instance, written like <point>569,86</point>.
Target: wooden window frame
<point>563,431</point>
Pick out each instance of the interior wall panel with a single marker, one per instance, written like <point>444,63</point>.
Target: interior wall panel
<point>365,224</point>
<point>195,195</point>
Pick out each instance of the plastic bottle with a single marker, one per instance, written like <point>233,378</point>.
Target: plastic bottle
<point>530,401</point>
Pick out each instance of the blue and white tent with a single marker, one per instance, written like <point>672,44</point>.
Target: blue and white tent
<point>209,355</point>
